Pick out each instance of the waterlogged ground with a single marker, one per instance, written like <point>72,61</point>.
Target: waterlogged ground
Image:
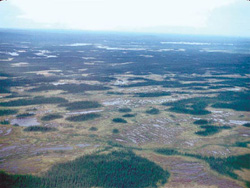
<point>91,92</point>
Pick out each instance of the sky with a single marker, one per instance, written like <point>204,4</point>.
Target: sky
<point>212,17</point>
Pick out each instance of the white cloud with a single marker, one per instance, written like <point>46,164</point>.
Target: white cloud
<point>114,14</point>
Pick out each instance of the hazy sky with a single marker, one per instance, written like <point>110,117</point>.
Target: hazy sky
<point>221,17</point>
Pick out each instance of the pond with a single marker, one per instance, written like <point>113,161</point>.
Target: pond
<point>25,122</point>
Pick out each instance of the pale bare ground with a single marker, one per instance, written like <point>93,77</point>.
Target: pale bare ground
<point>191,172</point>
<point>244,174</point>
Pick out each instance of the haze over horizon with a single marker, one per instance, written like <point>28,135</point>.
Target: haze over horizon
<point>214,17</point>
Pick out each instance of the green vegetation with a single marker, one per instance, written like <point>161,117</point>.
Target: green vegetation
<point>210,130</point>
<point>153,94</point>
<point>39,129</point>
<point>116,169</point>
<point>201,122</point>
<point>79,105</point>
<point>15,95</point>
<point>119,120</point>
<point>34,101</point>
<point>128,115</point>
<point>24,115</point>
<point>166,83</point>
<point>4,90</point>
<point>242,144</point>
<point>246,125</point>
<point>238,105</point>
<point>114,93</point>
<point>31,109</point>
<point>100,78</point>
<point>5,122</point>
<point>7,112</point>
<point>238,101</point>
<point>172,116</point>
<point>225,166</point>
<point>19,181</point>
<point>93,129</point>
<point>149,82</point>
<point>194,106</point>
<point>166,151</point>
<point>122,76</point>
<point>115,131</point>
<point>247,184</point>
<point>125,110</point>
<point>83,117</point>
<point>50,117</point>
<point>153,111</point>
<point>70,88</point>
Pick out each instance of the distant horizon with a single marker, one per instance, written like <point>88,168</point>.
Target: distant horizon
<point>213,18</point>
<point>119,32</point>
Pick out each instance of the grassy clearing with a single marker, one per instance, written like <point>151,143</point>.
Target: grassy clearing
<point>225,166</point>
<point>83,117</point>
